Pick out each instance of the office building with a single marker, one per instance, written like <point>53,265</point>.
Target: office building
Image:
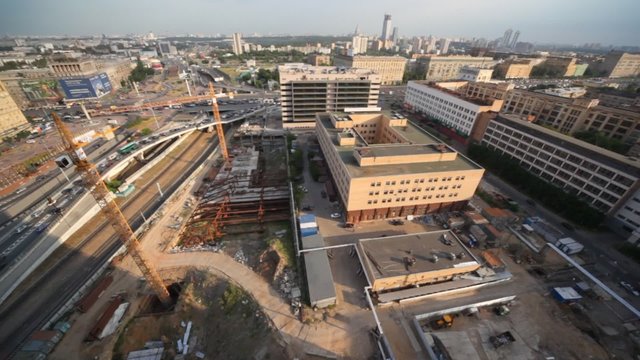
<point>238,48</point>
<point>514,41</point>
<point>66,67</point>
<point>306,90</point>
<point>506,38</point>
<point>618,64</point>
<point>386,28</point>
<point>441,68</point>
<point>359,44</point>
<point>12,121</point>
<point>319,60</point>
<point>118,70</point>
<point>166,48</point>
<point>515,69</point>
<point>408,260</point>
<point>390,68</point>
<point>601,178</point>
<point>468,73</point>
<point>383,166</point>
<point>444,46</point>
<point>567,115</point>
<point>454,110</point>
<point>565,66</point>
<point>395,35</point>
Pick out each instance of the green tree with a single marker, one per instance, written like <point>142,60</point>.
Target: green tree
<point>40,63</point>
<point>600,139</point>
<point>145,131</point>
<point>140,72</point>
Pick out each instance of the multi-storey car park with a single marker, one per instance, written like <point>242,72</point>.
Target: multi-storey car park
<point>306,90</point>
<point>384,167</point>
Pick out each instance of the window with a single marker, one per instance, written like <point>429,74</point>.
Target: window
<point>369,202</point>
<point>388,183</point>
<point>370,193</point>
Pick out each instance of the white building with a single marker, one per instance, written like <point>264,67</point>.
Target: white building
<point>444,46</point>
<point>469,73</point>
<point>359,44</point>
<point>452,109</point>
<point>601,178</point>
<point>237,44</point>
<point>386,28</point>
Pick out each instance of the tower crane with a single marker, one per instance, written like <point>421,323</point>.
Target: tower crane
<point>104,198</point>
<point>216,115</point>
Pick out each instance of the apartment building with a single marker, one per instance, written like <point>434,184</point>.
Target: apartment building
<point>390,68</point>
<point>517,69</point>
<point>441,68</point>
<point>384,166</point>
<point>12,120</point>
<point>468,73</point>
<point>601,178</point>
<point>306,90</point>
<point>237,44</point>
<point>619,64</point>
<point>567,115</point>
<point>319,60</point>
<point>454,110</point>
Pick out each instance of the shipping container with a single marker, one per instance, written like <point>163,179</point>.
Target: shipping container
<point>308,231</point>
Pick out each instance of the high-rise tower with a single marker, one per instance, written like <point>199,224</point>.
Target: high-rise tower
<point>386,27</point>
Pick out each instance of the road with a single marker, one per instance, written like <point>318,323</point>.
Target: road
<point>38,298</point>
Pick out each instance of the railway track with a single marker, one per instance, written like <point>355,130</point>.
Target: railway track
<point>19,320</point>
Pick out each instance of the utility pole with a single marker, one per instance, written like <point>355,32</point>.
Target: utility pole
<point>159,189</point>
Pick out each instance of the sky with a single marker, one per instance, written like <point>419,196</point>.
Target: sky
<point>615,22</point>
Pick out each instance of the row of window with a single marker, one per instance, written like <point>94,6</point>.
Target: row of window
<point>401,191</point>
<point>418,181</point>
<point>412,198</point>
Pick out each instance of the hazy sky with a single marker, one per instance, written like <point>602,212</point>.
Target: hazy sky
<point>559,21</point>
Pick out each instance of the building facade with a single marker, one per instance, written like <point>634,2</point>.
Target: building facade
<point>468,73</point>
<point>619,64</point>
<point>306,90</point>
<point>12,120</point>
<point>319,60</point>
<point>454,110</point>
<point>386,28</point>
<point>359,45</point>
<point>441,68</point>
<point>65,68</point>
<point>601,178</point>
<point>390,68</point>
<point>566,66</point>
<point>567,115</point>
<point>515,69</point>
<point>117,70</point>
<point>385,167</point>
<point>237,44</point>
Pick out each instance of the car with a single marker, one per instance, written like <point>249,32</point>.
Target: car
<point>307,208</point>
<point>36,213</point>
<point>336,215</point>
<point>530,202</point>
<point>629,288</point>
<point>31,141</point>
<point>40,228</point>
<point>396,222</point>
<point>22,228</point>
<point>323,194</point>
<point>21,190</point>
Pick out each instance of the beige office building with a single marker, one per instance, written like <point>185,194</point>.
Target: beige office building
<point>566,115</point>
<point>390,68</point>
<point>384,166</point>
<point>12,120</point>
<point>319,60</point>
<point>519,69</point>
<point>306,90</point>
<point>468,73</point>
<point>619,64</point>
<point>117,71</point>
<point>440,68</point>
<point>63,68</point>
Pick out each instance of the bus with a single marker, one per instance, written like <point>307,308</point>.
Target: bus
<point>128,148</point>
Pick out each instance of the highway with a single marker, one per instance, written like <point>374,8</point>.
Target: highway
<point>36,300</point>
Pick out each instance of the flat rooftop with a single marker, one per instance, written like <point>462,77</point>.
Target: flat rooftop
<point>400,150</point>
<point>385,256</point>
<point>415,135</point>
<point>473,100</point>
<point>594,153</point>
<point>300,68</point>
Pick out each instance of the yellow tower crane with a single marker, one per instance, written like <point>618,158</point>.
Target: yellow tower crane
<point>216,116</point>
<point>104,198</point>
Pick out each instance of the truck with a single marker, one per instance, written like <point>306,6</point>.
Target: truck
<point>446,321</point>
<point>569,246</point>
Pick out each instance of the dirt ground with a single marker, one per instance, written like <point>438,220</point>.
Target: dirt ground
<point>227,324</point>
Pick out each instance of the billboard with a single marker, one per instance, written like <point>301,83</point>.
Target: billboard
<point>36,90</point>
<point>86,88</point>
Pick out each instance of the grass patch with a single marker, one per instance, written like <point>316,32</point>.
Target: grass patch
<point>486,197</point>
<point>231,297</point>
<point>139,123</point>
<point>284,246</point>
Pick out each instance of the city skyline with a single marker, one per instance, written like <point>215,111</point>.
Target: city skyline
<point>571,22</point>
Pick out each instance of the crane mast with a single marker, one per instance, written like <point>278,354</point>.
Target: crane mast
<point>104,198</point>
<point>219,129</point>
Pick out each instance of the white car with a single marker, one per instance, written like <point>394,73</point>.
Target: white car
<point>21,228</point>
<point>336,215</point>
